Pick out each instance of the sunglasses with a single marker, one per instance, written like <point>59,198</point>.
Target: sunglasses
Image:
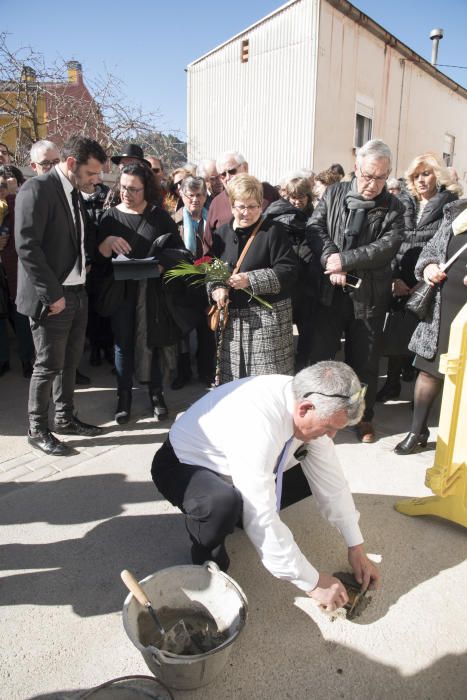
<point>232,171</point>
<point>352,399</point>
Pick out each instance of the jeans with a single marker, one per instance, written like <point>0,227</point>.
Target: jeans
<point>123,327</point>
<point>59,343</point>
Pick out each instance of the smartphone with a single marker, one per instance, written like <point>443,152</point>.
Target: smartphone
<point>353,281</point>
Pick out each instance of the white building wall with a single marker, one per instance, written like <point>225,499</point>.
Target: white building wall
<point>412,111</point>
<point>264,108</point>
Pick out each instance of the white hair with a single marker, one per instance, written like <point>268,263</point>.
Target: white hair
<point>223,158</point>
<point>41,147</point>
<point>374,149</point>
<point>203,166</point>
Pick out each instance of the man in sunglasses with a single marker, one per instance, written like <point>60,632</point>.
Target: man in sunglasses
<point>228,165</point>
<point>356,229</point>
<point>224,461</point>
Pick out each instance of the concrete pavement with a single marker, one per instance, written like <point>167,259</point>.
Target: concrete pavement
<point>69,526</point>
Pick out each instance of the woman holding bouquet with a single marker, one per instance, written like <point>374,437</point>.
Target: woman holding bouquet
<point>256,339</point>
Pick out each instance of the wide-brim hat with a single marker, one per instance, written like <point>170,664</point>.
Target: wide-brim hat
<point>132,150</point>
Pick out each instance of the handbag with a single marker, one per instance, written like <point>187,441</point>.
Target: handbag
<point>215,318</point>
<point>398,329</point>
<point>423,294</point>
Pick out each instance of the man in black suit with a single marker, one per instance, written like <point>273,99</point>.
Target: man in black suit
<point>51,230</point>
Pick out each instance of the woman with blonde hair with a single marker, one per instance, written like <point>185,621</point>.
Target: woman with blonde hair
<point>429,189</point>
<point>256,339</point>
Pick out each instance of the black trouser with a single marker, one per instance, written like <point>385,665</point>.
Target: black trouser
<point>59,342</point>
<point>211,504</point>
<point>363,339</point>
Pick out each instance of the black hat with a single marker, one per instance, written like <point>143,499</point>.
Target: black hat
<point>132,150</point>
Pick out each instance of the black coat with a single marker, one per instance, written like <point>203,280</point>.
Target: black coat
<point>371,259</point>
<point>46,242</point>
<point>271,249</point>
<point>417,235</point>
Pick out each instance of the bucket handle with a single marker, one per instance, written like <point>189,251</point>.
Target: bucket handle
<point>213,568</point>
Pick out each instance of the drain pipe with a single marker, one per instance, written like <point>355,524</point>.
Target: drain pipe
<point>435,35</point>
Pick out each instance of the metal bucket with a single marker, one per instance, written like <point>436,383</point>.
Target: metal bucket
<point>197,588</point>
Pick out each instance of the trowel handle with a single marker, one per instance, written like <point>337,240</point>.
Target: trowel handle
<point>133,586</point>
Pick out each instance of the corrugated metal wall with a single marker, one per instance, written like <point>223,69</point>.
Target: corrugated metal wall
<point>232,105</point>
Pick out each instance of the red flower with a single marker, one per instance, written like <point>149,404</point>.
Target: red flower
<point>204,259</point>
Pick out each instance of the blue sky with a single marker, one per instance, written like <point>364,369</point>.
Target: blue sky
<point>148,44</point>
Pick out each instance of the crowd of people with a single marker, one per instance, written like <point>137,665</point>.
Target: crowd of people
<point>336,256</point>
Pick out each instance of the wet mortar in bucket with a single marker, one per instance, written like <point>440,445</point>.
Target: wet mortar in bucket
<point>204,633</point>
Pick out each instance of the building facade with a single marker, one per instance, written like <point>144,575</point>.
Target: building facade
<point>309,83</point>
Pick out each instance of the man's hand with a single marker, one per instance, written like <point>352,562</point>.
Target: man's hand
<point>338,279</point>
<point>365,572</point>
<point>329,593</point>
<point>400,288</point>
<point>57,307</point>
<point>333,264</point>
<point>3,241</point>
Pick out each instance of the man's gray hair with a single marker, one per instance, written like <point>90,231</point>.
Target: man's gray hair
<point>203,166</point>
<point>193,184</point>
<point>223,158</point>
<point>41,147</point>
<point>323,379</point>
<point>374,149</point>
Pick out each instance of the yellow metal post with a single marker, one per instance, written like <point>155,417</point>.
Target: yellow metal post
<point>447,478</point>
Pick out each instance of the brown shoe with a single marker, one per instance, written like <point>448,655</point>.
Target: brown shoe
<point>365,431</point>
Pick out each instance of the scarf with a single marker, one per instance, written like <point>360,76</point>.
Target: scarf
<point>190,228</point>
<point>358,207</point>
<point>459,225</point>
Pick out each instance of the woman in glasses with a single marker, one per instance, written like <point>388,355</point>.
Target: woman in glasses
<point>256,340</point>
<point>292,210</point>
<point>429,189</point>
<point>131,228</point>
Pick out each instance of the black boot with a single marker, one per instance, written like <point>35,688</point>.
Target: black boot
<point>123,410</point>
<point>183,371</point>
<point>411,442</point>
<point>159,407</point>
<point>390,390</point>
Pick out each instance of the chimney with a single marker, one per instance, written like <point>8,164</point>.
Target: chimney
<point>28,74</point>
<point>75,72</point>
<point>435,35</point>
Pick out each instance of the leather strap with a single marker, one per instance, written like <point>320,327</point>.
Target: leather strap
<point>247,245</point>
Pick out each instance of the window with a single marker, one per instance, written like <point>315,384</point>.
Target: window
<point>363,127</point>
<point>245,49</point>
<point>448,149</point>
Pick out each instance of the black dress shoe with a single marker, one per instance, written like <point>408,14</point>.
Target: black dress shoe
<point>49,444</point>
<point>77,427</point>
<point>81,379</point>
<point>27,369</point>
<point>412,442</point>
<point>4,367</point>
<point>95,357</point>
<point>159,407</point>
<point>388,391</point>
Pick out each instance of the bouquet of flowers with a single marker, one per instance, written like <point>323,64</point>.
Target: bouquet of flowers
<point>208,270</point>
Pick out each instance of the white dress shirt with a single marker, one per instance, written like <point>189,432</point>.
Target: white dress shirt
<point>76,276</point>
<point>239,430</point>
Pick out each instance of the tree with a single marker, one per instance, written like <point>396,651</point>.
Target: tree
<point>37,101</point>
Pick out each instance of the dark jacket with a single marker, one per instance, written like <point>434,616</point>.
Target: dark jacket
<point>371,259</point>
<point>270,250</point>
<point>46,242</point>
<point>294,222</point>
<point>417,235</point>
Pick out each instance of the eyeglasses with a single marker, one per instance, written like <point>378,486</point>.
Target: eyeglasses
<point>232,171</point>
<point>49,163</point>
<point>241,208</point>
<point>352,399</point>
<point>197,195</point>
<point>130,190</point>
<point>372,178</point>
